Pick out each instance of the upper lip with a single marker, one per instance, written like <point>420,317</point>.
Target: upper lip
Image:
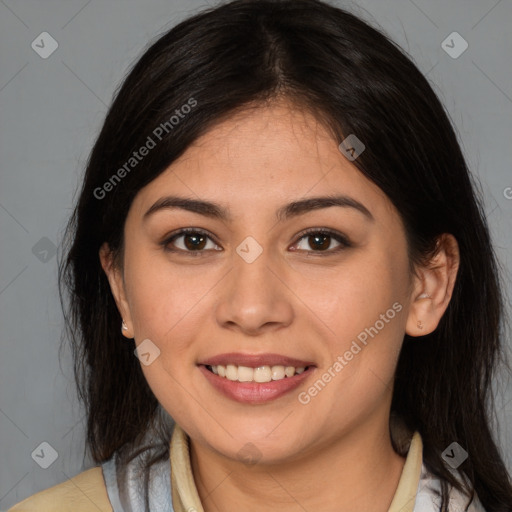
<point>254,360</point>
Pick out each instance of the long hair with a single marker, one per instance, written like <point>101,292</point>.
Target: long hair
<point>355,80</point>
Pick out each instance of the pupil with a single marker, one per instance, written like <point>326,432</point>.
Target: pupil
<point>199,239</point>
<point>324,245</point>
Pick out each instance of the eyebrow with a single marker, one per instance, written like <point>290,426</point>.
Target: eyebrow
<point>293,209</point>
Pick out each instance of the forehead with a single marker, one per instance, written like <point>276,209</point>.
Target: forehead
<point>261,158</point>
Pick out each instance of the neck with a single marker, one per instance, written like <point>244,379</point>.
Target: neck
<point>358,471</point>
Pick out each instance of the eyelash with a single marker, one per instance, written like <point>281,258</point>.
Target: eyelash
<point>345,243</point>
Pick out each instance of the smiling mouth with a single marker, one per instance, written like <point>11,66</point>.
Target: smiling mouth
<point>255,378</point>
<point>260,374</point>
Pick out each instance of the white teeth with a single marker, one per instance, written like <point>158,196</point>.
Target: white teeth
<point>231,372</point>
<point>245,374</point>
<point>259,374</point>
<point>262,374</point>
<point>277,372</point>
<point>289,371</point>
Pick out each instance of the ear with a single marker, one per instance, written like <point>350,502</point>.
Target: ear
<point>116,281</point>
<point>433,287</point>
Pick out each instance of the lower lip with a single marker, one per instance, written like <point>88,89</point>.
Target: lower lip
<point>255,392</point>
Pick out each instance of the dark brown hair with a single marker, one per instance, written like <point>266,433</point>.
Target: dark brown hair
<point>356,81</point>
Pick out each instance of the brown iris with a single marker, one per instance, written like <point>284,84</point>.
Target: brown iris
<point>198,241</point>
<point>314,241</point>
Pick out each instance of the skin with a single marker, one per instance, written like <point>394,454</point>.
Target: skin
<point>333,453</point>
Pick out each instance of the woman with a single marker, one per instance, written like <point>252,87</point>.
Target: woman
<point>278,221</point>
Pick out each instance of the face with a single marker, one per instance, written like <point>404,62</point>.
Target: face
<point>301,304</point>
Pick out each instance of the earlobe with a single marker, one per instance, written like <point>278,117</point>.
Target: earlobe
<point>433,288</point>
<point>115,279</point>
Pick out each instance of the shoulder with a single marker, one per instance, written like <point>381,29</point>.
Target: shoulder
<point>428,496</point>
<point>80,493</point>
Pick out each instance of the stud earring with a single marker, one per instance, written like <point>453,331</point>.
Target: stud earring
<point>424,296</point>
<point>124,326</point>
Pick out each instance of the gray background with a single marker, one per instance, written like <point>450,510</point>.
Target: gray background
<point>52,109</point>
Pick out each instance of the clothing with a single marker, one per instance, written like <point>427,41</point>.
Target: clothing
<point>172,487</point>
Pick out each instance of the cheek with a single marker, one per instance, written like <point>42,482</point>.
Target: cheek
<point>164,302</point>
<point>363,304</point>
<point>353,295</point>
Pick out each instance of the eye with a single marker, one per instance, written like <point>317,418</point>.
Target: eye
<point>193,240</point>
<point>320,241</point>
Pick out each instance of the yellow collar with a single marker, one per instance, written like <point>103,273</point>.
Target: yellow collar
<point>185,497</point>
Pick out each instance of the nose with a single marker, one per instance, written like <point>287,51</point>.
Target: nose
<point>255,298</point>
